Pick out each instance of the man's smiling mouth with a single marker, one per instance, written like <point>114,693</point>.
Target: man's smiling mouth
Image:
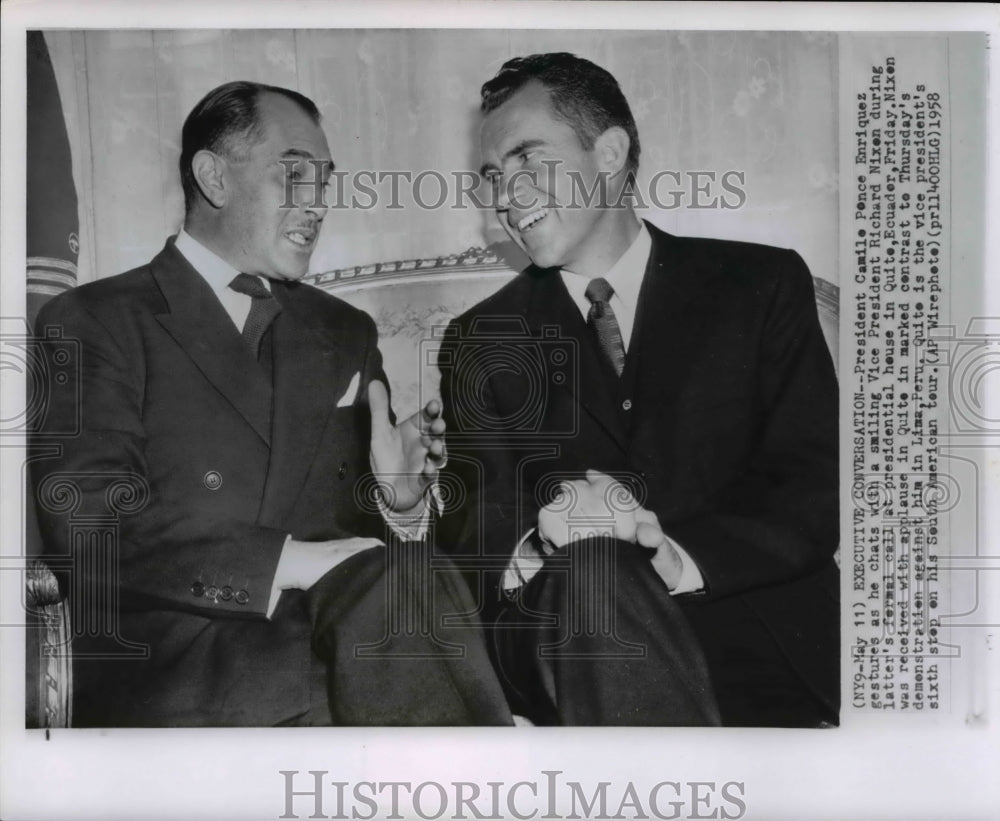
<point>301,238</point>
<point>526,223</point>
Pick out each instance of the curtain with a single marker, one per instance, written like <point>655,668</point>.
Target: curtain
<point>53,241</point>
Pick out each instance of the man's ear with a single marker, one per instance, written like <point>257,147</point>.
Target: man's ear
<point>209,172</point>
<point>612,149</point>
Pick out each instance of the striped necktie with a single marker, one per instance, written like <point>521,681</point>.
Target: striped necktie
<point>602,319</point>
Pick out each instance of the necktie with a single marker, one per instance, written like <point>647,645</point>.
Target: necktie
<point>602,319</point>
<point>263,309</point>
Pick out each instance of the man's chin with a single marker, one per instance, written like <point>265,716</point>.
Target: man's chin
<point>538,255</point>
<point>548,248</point>
<point>291,272</point>
<point>544,258</point>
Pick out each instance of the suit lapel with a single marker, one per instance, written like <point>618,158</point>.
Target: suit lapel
<point>550,304</point>
<point>675,302</point>
<point>201,327</point>
<point>312,366</point>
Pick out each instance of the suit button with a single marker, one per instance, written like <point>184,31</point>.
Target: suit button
<point>242,597</point>
<point>226,593</point>
<point>197,589</point>
<point>627,405</point>
<point>211,592</point>
<point>343,470</point>
<point>213,480</point>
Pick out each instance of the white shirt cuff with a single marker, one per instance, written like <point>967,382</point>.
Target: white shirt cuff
<point>691,579</point>
<point>412,525</point>
<point>524,563</point>
<point>280,574</point>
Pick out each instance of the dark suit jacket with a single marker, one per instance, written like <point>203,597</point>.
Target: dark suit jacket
<point>170,393</point>
<point>724,422</point>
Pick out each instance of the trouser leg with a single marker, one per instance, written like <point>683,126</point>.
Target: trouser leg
<point>388,624</point>
<point>596,639</point>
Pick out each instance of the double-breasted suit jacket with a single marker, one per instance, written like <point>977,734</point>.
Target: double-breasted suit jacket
<point>231,463</point>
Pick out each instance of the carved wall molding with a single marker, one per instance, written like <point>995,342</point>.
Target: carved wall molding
<point>478,260</point>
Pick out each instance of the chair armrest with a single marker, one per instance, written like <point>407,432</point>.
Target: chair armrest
<point>41,585</point>
<point>48,663</point>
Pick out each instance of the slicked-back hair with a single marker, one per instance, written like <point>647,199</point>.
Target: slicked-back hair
<point>584,95</point>
<point>227,122</point>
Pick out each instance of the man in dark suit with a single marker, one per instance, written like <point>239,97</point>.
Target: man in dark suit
<point>227,416</point>
<point>673,396</point>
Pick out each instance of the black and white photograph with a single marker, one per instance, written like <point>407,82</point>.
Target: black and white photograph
<point>413,414</point>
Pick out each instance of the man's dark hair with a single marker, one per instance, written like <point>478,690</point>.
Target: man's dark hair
<point>583,95</point>
<point>226,121</point>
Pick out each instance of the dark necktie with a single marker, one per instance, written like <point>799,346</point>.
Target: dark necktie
<point>263,309</point>
<point>602,319</point>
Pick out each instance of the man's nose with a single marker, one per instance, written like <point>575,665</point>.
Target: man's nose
<point>520,191</point>
<point>310,191</point>
<point>502,195</point>
<point>513,192</point>
<point>312,200</point>
<point>316,206</point>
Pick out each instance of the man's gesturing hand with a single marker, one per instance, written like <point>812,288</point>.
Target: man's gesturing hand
<point>406,458</point>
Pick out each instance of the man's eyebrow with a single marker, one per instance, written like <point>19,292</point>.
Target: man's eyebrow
<point>304,154</point>
<point>524,145</point>
<point>307,155</point>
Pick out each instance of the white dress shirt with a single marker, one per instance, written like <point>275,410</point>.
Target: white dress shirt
<point>625,277</point>
<point>218,274</point>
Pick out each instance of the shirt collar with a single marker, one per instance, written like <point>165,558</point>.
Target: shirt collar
<point>625,276</point>
<point>214,269</point>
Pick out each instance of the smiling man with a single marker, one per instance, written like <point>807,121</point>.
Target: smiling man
<point>242,410</point>
<point>537,164</point>
<point>694,373</point>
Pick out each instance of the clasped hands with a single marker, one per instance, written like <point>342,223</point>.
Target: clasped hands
<point>599,505</point>
<point>405,458</point>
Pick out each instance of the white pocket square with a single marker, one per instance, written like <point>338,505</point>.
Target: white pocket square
<point>352,389</point>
